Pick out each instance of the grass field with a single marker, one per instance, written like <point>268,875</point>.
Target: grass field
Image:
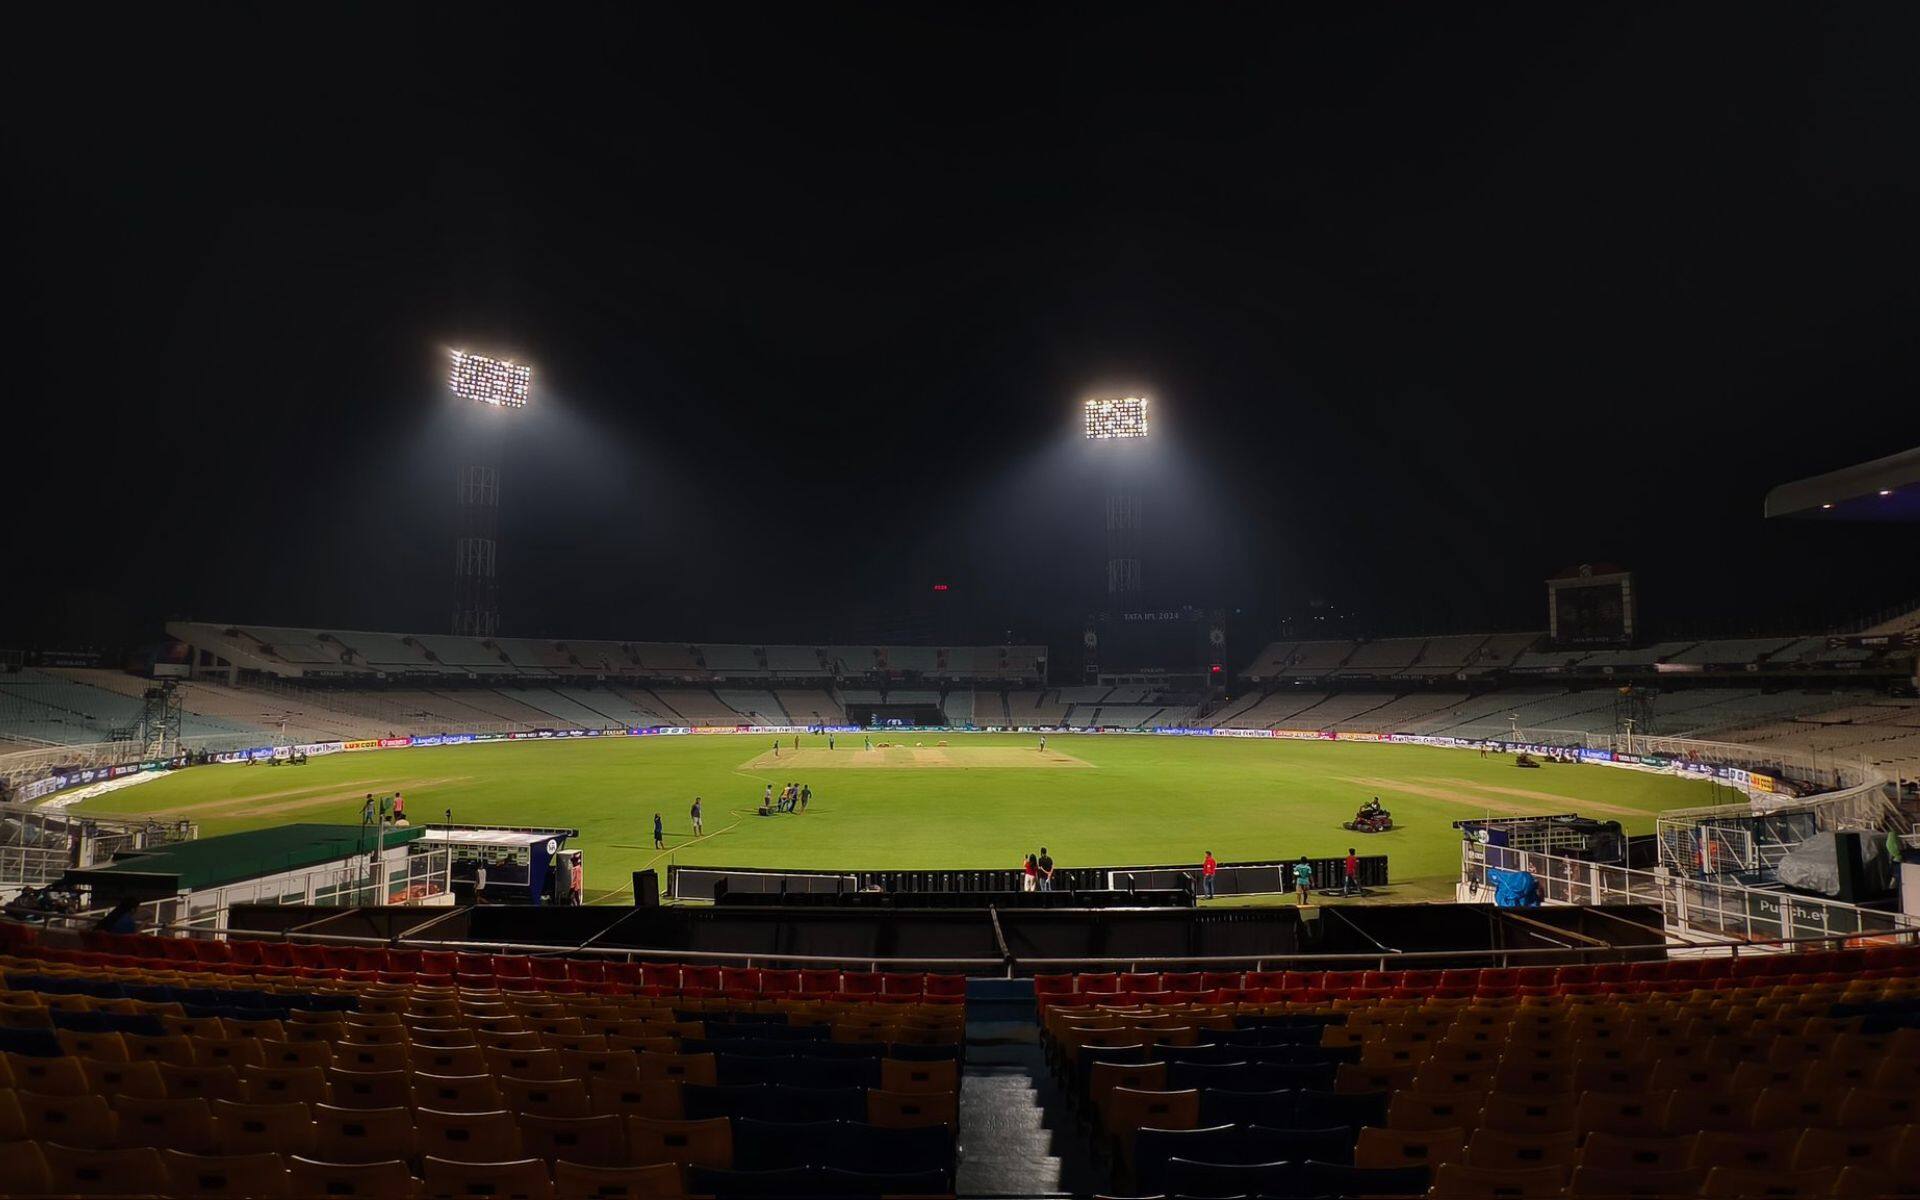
<point>978,800</point>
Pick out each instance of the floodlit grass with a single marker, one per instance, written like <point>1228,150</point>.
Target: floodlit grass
<point>1138,800</point>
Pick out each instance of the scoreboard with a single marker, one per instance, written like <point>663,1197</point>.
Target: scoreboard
<point>1591,606</point>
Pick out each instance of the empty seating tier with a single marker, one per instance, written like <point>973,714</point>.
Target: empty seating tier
<point>189,1068</point>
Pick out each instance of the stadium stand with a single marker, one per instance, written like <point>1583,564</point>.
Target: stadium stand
<point>796,661</point>
<point>1310,659</point>
<point>957,704</point>
<point>1035,708</point>
<point>990,709</point>
<point>811,706</point>
<point>757,707</point>
<point>1387,656</point>
<point>1338,709</point>
<point>1397,714</point>
<point>734,660</point>
<point>1772,1074</point>
<point>1274,711</point>
<point>697,706</point>
<point>187,1068</point>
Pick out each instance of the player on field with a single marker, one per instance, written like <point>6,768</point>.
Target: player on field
<point>1207,868</point>
<point>696,816</point>
<point>659,833</point>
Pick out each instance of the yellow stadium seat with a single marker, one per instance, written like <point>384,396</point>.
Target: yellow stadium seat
<point>1643,1115</point>
<point>467,1137</point>
<point>1457,1181</point>
<point>1795,1108</point>
<point>518,1179</point>
<point>284,1128</point>
<point>239,1175</point>
<point>356,1135</point>
<point>1528,1114</point>
<point>277,1085</point>
<point>1409,1147</point>
<point>1520,1151</point>
<point>545,1097</point>
<point>1750,1150</point>
<point>1846,1146</point>
<point>1413,1110</point>
<point>1740,1182</point>
<point>1610,1181</point>
<point>26,1173</point>
<point>387,1180</point>
<point>1726,1109</point>
<point>123,1078</point>
<point>82,1121</point>
<point>900,1075</point>
<point>166,1124</point>
<point>71,1170</point>
<point>47,1076</point>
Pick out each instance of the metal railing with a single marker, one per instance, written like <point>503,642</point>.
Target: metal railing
<point>1009,965</point>
<point>1692,904</point>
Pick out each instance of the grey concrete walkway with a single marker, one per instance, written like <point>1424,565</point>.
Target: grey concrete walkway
<point>1017,1135</point>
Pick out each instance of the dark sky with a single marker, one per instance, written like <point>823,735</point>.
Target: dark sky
<point>1433,300</point>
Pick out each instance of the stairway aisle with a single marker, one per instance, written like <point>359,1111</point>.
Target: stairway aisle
<point>1018,1135</point>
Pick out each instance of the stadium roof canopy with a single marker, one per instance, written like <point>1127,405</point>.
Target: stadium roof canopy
<point>1886,489</point>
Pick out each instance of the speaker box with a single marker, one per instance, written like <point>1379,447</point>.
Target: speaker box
<point>646,888</point>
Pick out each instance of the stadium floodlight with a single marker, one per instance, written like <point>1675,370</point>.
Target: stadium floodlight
<point>1109,419</point>
<point>501,383</point>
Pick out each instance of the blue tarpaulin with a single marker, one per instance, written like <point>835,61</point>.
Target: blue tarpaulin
<point>1514,889</point>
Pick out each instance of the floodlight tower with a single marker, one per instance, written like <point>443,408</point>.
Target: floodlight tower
<point>1121,420</point>
<point>1115,426</point>
<point>503,385</point>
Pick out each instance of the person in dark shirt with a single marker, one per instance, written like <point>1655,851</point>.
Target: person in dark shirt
<point>659,833</point>
<point>1045,863</point>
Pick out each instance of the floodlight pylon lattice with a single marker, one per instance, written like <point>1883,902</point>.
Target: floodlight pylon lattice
<point>502,384</point>
<point>1120,419</point>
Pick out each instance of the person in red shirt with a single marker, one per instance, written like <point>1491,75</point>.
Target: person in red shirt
<point>1353,872</point>
<point>1207,868</point>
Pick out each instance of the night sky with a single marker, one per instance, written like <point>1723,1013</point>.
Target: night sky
<point>1432,301</point>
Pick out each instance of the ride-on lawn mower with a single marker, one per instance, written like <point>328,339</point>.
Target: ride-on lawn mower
<point>1370,819</point>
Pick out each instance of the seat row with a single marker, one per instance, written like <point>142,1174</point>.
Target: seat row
<point>1655,975</point>
<point>518,972</point>
<point>1459,1181</point>
<point>38,1169</point>
<point>797,1138</point>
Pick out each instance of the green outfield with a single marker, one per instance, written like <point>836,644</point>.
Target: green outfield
<point>932,800</point>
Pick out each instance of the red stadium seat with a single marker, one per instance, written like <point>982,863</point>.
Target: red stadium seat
<point>510,966</point>
<point>819,983</point>
<point>740,981</point>
<point>438,963</point>
<point>779,983</point>
<point>624,974</point>
<point>663,976</point>
<point>699,981</point>
<point>859,983</point>
<point>1096,985</point>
